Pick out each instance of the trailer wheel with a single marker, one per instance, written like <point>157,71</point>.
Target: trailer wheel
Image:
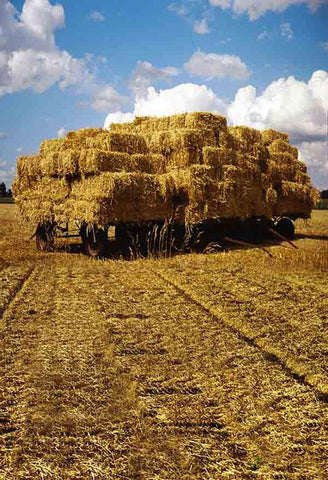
<point>95,242</point>
<point>44,237</point>
<point>285,227</point>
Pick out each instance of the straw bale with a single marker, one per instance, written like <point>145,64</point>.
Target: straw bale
<point>49,164</point>
<point>29,166</point>
<point>231,172</point>
<point>194,121</point>
<point>54,145</point>
<point>129,197</point>
<point>37,204</point>
<point>118,142</point>
<point>94,161</point>
<point>300,166</point>
<point>271,196</point>
<point>282,167</point>
<point>202,193</point>
<point>84,133</point>
<point>216,157</point>
<point>182,147</point>
<point>280,146</point>
<point>302,178</point>
<point>68,162</point>
<point>22,184</point>
<point>247,137</point>
<point>268,136</point>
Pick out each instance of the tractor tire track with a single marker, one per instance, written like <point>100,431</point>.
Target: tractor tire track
<point>269,355</point>
<point>12,291</point>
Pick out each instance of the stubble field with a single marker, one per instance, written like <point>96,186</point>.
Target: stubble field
<point>202,366</point>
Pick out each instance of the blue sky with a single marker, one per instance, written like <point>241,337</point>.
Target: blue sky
<point>72,64</point>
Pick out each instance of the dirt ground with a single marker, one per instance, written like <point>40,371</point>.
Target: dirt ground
<point>202,366</point>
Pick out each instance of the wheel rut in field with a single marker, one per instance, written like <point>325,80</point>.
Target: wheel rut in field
<point>209,376</point>
<point>270,352</point>
<point>113,373</point>
<point>12,282</point>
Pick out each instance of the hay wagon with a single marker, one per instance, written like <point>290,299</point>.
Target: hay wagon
<point>182,180</point>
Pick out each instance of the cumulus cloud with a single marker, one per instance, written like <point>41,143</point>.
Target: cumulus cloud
<point>6,174</point>
<point>107,99</point>
<point>180,10</point>
<point>286,31</point>
<point>3,135</point>
<point>146,74</point>
<point>30,58</point>
<point>324,45</point>
<point>256,8</point>
<point>287,104</point>
<point>221,3</point>
<point>315,155</point>
<point>96,16</point>
<point>61,132</point>
<point>186,97</point>
<point>201,27</point>
<point>19,149</point>
<point>264,35</point>
<point>211,65</point>
<point>118,117</point>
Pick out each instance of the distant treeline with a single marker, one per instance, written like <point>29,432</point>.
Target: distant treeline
<point>323,203</point>
<point>3,190</point>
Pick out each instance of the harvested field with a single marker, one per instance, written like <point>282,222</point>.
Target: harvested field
<point>195,367</point>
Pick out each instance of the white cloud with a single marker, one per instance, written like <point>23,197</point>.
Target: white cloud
<point>3,135</point>
<point>181,10</point>
<point>286,31</point>
<point>3,163</point>
<point>221,3</point>
<point>315,155</point>
<point>61,133</point>
<point>118,117</point>
<point>256,8</point>
<point>264,35</point>
<point>107,99</point>
<point>30,58</point>
<point>324,45</point>
<point>7,175</point>
<point>286,104</point>
<point>146,74</point>
<point>96,16</point>
<point>186,97</point>
<point>202,27</point>
<point>19,149</point>
<point>211,65</point>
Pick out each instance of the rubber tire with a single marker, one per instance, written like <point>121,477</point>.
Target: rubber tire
<point>98,248</point>
<point>44,238</point>
<point>285,226</point>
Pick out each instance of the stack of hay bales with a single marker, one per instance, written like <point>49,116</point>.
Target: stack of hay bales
<point>153,167</point>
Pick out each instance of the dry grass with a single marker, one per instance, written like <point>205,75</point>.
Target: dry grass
<point>198,367</point>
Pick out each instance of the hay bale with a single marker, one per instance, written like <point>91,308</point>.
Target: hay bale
<point>84,133</point>
<point>181,148</point>
<point>29,165</point>
<point>129,197</point>
<point>280,146</point>
<point>38,203</point>
<point>95,161</point>
<point>142,170</point>
<point>268,136</point>
<point>193,121</point>
<point>118,142</point>
<point>247,137</point>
